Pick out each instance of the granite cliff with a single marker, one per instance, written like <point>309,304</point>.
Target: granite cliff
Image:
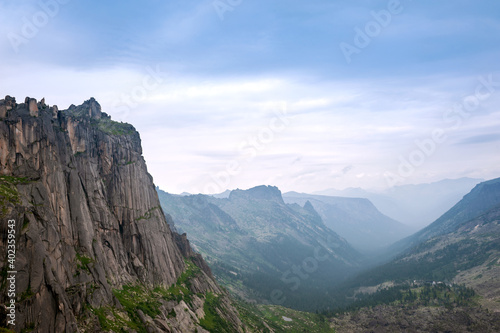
<point>94,250</point>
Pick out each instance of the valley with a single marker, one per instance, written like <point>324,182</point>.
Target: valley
<point>231,166</point>
<point>444,277</point>
<point>262,248</point>
<point>100,248</point>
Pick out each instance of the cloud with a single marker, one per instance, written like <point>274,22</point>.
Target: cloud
<point>223,81</point>
<point>478,139</point>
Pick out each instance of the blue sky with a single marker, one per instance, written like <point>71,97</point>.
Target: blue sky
<point>234,94</point>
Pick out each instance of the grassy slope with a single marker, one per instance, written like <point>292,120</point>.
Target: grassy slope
<point>270,318</point>
<point>148,300</point>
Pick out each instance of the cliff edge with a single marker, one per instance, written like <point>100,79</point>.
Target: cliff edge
<point>94,251</point>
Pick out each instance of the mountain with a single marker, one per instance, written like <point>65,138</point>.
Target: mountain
<point>462,246</point>
<point>446,281</point>
<point>94,251</point>
<point>481,199</point>
<point>223,195</point>
<point>262,248</point>
<point>414,205</point>
<point>357,220</point>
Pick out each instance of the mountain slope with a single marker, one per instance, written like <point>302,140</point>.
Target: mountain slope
<point>480,200</point>
<point>263,248</point>
<point>414,205</point>
<point>469,257</point>
<point>355,219</point>
<point>93,249</point>
<point>462,246</point>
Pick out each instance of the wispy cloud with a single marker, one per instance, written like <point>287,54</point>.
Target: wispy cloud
<point>478,139</point>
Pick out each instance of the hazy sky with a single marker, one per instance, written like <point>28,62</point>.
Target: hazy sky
<point>304,95</point>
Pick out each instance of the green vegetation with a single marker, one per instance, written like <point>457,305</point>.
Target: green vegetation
<point>6,330</point>
<point>113,127</point>
<point>27,294</point>
<point>181,290</point>
<point>408,318</point>
<point>83,263</point>
<point>139,297</point>
<point>26,222</point>
<point>132,298</point>
<point>260,318</point>
<point>440,265</point>
<point>114,320</point>
<point>9,194</point>
<point>439,294</point>
<point>104,123</point>
<point>212,320</point>
<point>148,214</point>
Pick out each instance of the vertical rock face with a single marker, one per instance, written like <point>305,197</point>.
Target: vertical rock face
<point>88,219</point>
<point>32,106</point>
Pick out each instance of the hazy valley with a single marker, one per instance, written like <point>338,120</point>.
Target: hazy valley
<point>264,248</point>
<point>100,248</point>
<point>231,166</point>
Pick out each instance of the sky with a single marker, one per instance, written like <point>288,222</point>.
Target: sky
<point>302,95</point>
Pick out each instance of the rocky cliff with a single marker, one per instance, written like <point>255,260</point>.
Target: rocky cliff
<point>94,251</point>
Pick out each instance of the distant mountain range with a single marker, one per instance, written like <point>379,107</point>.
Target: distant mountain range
<point>462,246</point>
<point>355,219</point>
<point>414,205</point>
<point>263,248</point>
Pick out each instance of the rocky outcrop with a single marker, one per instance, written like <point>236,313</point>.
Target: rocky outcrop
<point>6,105</point>
<point>187,252</point>
<point>88,221</point>
<point>32,106</point>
